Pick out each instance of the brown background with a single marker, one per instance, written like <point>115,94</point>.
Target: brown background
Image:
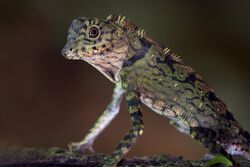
<point>48,101</point>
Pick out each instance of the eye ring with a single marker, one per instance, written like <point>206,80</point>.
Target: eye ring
<point>93,32</point>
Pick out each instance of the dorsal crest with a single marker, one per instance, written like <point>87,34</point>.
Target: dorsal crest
<point>129,26</point>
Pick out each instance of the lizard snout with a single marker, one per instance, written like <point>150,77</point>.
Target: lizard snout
<point>67,52</point>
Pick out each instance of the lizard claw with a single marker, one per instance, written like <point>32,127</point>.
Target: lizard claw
<point>81,147</point>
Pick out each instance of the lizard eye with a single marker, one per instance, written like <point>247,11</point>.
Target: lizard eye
<point>93,32</point>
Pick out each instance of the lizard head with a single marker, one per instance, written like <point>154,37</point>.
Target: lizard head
<point>101,43</point>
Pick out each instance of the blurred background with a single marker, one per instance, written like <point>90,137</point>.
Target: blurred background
<point>48,101</point>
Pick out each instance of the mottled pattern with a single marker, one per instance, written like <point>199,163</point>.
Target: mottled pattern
<point>157,77</point>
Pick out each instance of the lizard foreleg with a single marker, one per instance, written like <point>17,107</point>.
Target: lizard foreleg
<point>103,121</point>
<point>134,105</point>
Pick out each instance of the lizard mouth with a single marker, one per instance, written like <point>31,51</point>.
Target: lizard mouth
<point>72,58</point>
<point>68,54</point>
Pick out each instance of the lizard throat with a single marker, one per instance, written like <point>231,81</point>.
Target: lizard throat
<point>110,64</point>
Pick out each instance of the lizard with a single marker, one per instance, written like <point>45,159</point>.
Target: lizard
<point>147,73</point>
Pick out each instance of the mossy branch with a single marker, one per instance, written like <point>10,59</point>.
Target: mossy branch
<point>57,157</point>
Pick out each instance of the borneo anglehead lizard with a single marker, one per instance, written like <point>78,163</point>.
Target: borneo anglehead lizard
<point>149,74</point>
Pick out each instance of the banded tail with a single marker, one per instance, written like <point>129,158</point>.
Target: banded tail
<point>239,144</point>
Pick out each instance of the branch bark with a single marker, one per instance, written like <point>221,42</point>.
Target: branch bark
<point>56,157</point>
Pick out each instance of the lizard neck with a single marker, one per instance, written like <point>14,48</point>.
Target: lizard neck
<point>138,50</point>
<point>125,55</point>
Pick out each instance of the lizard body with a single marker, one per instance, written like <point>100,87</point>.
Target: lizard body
<point>149,74</point>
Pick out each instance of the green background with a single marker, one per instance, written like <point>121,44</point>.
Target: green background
<point>46,100</point>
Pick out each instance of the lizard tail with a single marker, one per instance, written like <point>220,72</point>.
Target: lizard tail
<point>240,144</point>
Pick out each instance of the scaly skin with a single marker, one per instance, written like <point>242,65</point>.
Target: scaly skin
<point>156,77</point>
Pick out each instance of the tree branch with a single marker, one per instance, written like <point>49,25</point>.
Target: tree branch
<point>57,157</point>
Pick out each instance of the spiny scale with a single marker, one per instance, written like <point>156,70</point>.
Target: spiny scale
<point>129,26</point>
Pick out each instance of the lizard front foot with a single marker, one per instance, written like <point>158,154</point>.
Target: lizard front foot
<point>81,147</point>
